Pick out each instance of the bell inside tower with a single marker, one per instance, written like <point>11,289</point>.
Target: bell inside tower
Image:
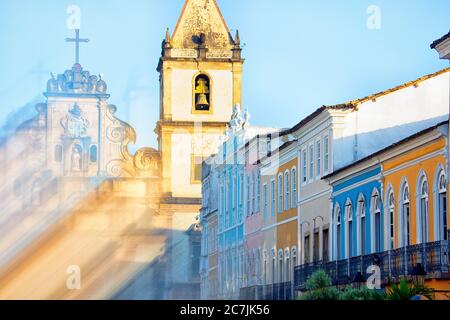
<point>202,93</point>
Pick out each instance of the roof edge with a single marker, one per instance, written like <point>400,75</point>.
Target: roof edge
<point>440,40</point>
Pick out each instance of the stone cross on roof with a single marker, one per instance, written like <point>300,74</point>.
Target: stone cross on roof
<point>77,41</point>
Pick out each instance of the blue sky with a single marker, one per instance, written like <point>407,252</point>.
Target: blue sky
<point>299,54</point>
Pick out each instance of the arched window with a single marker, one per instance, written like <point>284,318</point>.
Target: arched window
<point>423,211</point>
<point>376,219</point>
<point>280,193</point>
<point>202,93</point>
<point>272,197</point>
<point>58,153</point>
<point>338,232</point>
<point>405,217</point>
<point>349,220</point>
<point>287,265</point>
<point>362,225</point>
<point>294,188</point>
<point>442,207</point>
<point>273,266</point>
<point>287,188</point>
<point>280,266</point>
<point>294,260</point>
<point>391,215</point>
<point>93,154</point>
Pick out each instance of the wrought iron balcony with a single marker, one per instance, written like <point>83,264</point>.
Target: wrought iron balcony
<point>393,264</point>
<point>251,293</point>
<point>277,291</point>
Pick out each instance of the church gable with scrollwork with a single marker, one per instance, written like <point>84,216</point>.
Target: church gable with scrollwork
<point>78,134</point>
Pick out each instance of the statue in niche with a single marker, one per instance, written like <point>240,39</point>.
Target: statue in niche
<point>74,124</point>
<point>75,159</point>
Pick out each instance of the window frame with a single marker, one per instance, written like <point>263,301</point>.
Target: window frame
<point>280,193</point>
<point>287,189</point>
<point>362,228</point>
<point>287,265</point>
<point>424,205</point>
<point>311,162</point>
<point>405,229</point>
<point>375,210</point>
<point>304,171</point>
<point>265,202</point>
<point>273,195</point>
<point>349,228</point>
<point>318,160</point>
<point>391,219</point>
<point>442,196</point>
<point>338,232</point>
<point>326,154</point>
<point>294,187</point>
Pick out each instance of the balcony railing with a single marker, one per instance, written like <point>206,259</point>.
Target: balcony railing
<point>393,264</point>
<point>251,293</point>
<point>278,291</point>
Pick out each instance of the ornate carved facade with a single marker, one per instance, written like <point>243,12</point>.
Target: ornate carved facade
<point>70,176</point>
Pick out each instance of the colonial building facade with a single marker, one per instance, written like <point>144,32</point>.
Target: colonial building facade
<point>209,267</point>
<point>302,220</point>
<point>390,210</point>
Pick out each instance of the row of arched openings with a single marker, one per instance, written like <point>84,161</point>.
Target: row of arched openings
<point>383,224</point>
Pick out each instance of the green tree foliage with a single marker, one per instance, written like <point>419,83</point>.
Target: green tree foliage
<point>319,287</point>
<point>406,291</point>
<point>362,293</point>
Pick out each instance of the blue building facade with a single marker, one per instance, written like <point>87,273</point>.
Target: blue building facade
<point>231,211</point>
<point>357,213</point>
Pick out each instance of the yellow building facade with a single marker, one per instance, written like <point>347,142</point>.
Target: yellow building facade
<point>415,180</point>
<point>416,217</point>
<point>279,176</point>
<point>287,226</point>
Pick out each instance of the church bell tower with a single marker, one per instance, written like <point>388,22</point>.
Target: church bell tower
<point>200,81</point>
